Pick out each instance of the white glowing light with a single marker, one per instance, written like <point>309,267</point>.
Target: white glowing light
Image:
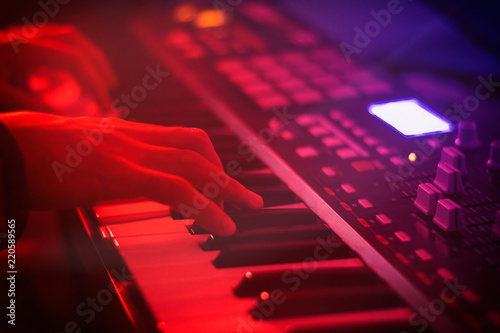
<point>410,117</point>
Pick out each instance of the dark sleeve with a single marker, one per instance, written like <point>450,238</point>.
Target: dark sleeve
<point>13,187</point>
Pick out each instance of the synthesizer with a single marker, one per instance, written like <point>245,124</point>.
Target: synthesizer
<point>402,188</point>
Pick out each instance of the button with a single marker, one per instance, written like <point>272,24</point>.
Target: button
<point>244,77</point>
<point>317,131</point>
<point>347,123</point>
<point>427,198</point>
<point>397,160</point>
<point>307,97</point>
<point>342,92</point>
<point>382,150</point>
<point>263,62</point>
<point>331,141</point>
<point>229,65</point>
<point>359,132</point>
<point>423,254</point>
<point>328,171</point>
<point>305,120</point>
<point>494,159</point>
<point>448,179</point>
<point>449,215</point>
<point>346,153</point>
<point>365,203</point>
<point>278,74</point>
<point>402,236</point>
<point>325,81</point>
<point>382,218</point>
<point>268,102</point>
<point>467,135</point>
<point>287,135</point>
<point>454,157</point>
<point>362,166</point>
<point>258,89</point>
<point>370,141</point>
<point>373,87</point>
<point>292,85</point>
<point>336,115</point>
<point>445,273</point>
<point>306,151</point>
<point>348,188</point>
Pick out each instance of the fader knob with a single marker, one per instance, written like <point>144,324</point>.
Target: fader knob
<point>448,178</point>
<point>494,160</point>
<point>427,198</point>
<point>449,216</point>
<point>467,135</point>
<point>496,227</point>
<point>454,157</point>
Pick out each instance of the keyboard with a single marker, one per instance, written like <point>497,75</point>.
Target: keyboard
<point>373,221</point>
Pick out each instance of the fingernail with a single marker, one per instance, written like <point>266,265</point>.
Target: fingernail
<point>256,199</point>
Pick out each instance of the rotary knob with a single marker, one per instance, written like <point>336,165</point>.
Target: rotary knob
<point>467,135</point>
<point>494,160</point>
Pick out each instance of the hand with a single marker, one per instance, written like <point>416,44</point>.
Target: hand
<point>74,162</point>
<point>57,48</point>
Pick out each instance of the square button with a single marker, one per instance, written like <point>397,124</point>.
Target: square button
<point>348,188</point>
<point>346,153</point>
<point>272,101</point>
<point>342,92</point>
<point>328,171</point>
<point>382,218</point>
<point>317,131</point>
<point>306,151</point>
<point>331,141</point>
<point>365,203</point>
<point>362,166</point>
<point>307,97</point>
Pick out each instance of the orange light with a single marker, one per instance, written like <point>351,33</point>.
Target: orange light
<point>210,18</point>
<point>264,295</point>
<point>185,13</point>
<point>248,275</point>
<point>412,157</point>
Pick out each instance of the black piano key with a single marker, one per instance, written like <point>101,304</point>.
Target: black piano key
<point>275,195</point>
<point>291,233</point>
<point>253,283</point>
<point>244,161</point>
<point>253,219</point>
<point>258,178</point>
<point>278,303</point>
<point>389,326</point>
<point>265,253</point>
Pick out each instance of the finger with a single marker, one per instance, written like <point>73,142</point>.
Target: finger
<point>189,165</point>
<point>172,191</point>
<point>193,139</point>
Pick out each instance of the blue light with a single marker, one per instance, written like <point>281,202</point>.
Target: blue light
<point>410,117</point>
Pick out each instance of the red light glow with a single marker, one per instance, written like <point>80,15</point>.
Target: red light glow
<point>264,295</point>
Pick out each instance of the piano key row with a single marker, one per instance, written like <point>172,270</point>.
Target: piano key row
<point>284,270</point>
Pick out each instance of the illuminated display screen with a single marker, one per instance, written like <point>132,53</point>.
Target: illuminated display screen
<point>410,117</point>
